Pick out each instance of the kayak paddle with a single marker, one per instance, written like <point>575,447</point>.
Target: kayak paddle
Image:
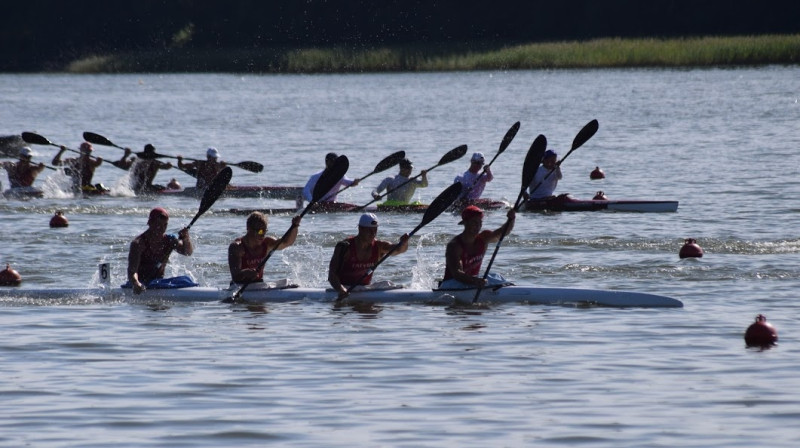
<point>440,204</point>
<point>383,165</point>
<point>98,139</point>
<point>213,192</point>
<point>529,169</point>
<point>453,154</point>
<point>583,136</point>
<point>327,180</point>
<point>510,134</point>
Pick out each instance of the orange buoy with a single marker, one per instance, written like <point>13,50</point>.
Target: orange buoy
<point>600,196</point>
<point>760,333</point>
<point>59,220</point>
<point>597,174</point>
<point>10,277</point>
<point>690,249</point>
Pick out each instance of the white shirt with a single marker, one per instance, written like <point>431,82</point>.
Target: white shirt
<point>548,186</point>
<point>473,183</point>
<point>404,193</point>
<point>308,191</point>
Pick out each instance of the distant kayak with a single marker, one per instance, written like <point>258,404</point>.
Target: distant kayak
<point>565,203</point>
<point>243,191</point>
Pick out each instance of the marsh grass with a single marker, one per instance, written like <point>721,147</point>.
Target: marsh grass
<point>598,53</point>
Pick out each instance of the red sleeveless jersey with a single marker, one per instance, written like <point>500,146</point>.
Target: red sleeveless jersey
<point>470,261</point>
<point>352,269</point>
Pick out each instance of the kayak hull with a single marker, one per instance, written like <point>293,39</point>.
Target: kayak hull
<point>256,294</point>
<point>568,204</point>
<point>344,207</point>
<point>244,191</point>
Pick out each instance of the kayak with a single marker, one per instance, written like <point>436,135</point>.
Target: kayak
<point>344,207</point>
<point>23,193</point>
<point>258,293</point>
<point>566,203</point>
<point>244,191</point>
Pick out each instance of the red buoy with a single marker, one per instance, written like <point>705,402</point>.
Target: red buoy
<point>59,220</point>
<point>600,196</point>
<point>597,174</point>
<point>10,277</point>
<point>760,333</point>
<point>690,249</point>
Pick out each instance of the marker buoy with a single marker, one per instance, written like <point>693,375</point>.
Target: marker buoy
<point>59,220</point>
<point>600,196</point>
<point>760,333</point>
<point>10,277</point>
<point>597,174</point>
<point>690,249</point>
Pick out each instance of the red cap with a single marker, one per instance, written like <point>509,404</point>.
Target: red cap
<point>158,211</point>
<point>470,212</point>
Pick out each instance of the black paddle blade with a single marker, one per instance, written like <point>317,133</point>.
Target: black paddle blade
<point>512,132</point>
<point>253,167</point>
<point>35,139</point>
<point>390,161</point>
<point>585,134</point>
<point>441,203</point>
<point>97,139</point>
<point>214,191</point>
<point>533,160</point>
<point>330,177</point>
<point>453,154</point>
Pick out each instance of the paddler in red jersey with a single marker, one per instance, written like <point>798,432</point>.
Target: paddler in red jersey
<point>22,174</point>
<point>355,256</point>
<point>149,254</point>
<point>464,253</point>
<point>245,253</point>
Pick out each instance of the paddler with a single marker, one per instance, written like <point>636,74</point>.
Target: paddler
<point>547,177</point>
<point>355,256</point>
<point>149,253</point>
<point>22,174</point>
<point>464,253</point>
<point>143,169</point>
<point>203,170</point>
<point>246,252</point>
<point>308,191</point>
<point>473,180</point>
<point>401,195</point>
<point>80,169</point>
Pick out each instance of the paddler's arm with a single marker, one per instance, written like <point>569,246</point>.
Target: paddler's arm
<point>386,246</point>
<point>57,159</point>
<point>134,258</point>
<point>453,263</point>
<point>498,232</point>
<point>424,181</point>
<point>184,245</point>
<point>335,265</point>
<point>292,236</point>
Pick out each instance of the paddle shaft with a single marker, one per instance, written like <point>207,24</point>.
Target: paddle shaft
<point>383,165</point>
<point>510,134</point>
<point>23,160</point>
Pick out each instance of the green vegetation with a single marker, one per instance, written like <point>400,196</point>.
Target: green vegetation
<point>598,53</point>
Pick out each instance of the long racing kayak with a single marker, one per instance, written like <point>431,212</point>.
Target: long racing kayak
<point>344,207</point>
<point>244,191</point>
<point>569,204</point>
<point>263,294</point>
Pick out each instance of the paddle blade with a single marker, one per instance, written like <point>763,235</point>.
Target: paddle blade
<point>585,134</point>
<point>35,139</point>
<point>214,191</point>
<point>512,132</point>
<point>390,161</point>
<point>97,139</point>
<point>453,154</point>
<point>533,160</point>
<point>441,203</point>
<point>330,177</point>
<point>253,167</point>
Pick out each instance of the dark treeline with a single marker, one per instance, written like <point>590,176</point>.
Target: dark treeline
<point>47,34</point>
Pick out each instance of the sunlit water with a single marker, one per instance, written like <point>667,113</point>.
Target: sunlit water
<point>722,142</point>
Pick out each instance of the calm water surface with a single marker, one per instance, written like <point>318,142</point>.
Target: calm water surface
<point>722,142</point>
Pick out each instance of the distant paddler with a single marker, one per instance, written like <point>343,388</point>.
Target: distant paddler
<point>149,253</point>
<point>354,257</point>
<point>80,169</point>
<point>308,191</point>
<point>464,253</point>
<point>246,252</point>
<point>544,183</point>
<point>203,170</point>
<point>401,188</point>
<point>23,173</point>
<point>143,169</point>
<point>474,180</point>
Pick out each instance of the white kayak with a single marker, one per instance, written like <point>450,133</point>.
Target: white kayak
<point>258,293</point>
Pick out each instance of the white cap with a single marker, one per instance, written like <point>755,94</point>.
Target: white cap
<point>25,151</point>
<point>213,153</point>
<point>368,220</point>
<point>478,157</point>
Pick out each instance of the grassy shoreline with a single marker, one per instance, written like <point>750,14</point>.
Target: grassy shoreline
<point>597,53</point>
